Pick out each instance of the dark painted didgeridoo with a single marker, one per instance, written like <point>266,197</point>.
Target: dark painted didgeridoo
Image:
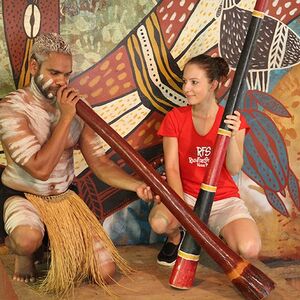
<point>183,273</point>
<point>251,282</point>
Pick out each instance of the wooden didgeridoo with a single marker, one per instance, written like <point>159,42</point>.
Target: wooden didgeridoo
<point>184,270</point>
<point>251,282</point>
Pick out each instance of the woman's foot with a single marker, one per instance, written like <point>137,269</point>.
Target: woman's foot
<point>168,253</point>
<point>25,270</point>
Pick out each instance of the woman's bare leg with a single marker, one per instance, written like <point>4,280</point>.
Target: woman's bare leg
<point>243,237</point>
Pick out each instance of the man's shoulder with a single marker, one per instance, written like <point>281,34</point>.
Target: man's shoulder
<point>19,96</point>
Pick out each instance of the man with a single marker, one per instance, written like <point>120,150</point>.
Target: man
<point>39,129</point>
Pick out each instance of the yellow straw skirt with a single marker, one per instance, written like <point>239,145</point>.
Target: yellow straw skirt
<point>72,230</point>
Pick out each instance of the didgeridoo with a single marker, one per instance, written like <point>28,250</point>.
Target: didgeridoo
<point>249,280</point>
<point>184,270</point>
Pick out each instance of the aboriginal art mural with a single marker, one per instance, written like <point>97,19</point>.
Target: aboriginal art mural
<point>128,59</point>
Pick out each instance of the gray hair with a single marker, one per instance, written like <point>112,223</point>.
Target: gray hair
<point>46,43</point>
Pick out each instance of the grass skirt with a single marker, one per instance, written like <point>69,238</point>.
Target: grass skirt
<point>72,228</point>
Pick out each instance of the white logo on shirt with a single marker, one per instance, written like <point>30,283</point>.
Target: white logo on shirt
<point>202,158</point>
<point>203,151</point>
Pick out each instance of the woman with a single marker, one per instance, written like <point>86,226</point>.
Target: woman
<point>189,134</point>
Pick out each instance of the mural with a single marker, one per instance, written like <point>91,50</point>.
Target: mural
<point>129,69</point>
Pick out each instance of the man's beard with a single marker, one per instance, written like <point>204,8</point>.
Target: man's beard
<point>45,86</point>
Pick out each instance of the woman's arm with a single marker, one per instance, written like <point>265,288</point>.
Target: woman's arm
<point>234,156</point>
<point>170,146</point>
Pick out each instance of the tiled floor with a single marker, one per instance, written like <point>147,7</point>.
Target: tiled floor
<point>150,281</point>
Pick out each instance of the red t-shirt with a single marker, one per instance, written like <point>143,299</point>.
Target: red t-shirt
<point>195,151</point>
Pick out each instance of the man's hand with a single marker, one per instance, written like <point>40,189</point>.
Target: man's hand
<point>67,97</point>
<point>144,192</point>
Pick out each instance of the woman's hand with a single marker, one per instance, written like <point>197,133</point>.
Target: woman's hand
<point>233,122</point>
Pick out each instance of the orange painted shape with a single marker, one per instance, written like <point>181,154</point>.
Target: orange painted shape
<point>112,76</point>
<point>145,135</point>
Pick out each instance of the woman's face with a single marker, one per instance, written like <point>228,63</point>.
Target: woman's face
<point>197,87</point>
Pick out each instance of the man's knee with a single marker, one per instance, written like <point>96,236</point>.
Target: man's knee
<point>108,271</point>
<point>105,261</point>
<point>25,241</point>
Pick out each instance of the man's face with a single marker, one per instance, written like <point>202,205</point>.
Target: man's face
<point>52,73</point>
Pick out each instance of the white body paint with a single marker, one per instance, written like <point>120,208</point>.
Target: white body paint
<point>26,122</point>
<point>47,84</point>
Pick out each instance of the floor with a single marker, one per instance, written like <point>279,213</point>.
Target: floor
<point>150,281</point>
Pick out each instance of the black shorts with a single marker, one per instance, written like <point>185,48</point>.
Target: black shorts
<point>5,193</point>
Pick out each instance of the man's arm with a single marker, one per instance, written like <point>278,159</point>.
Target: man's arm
<point>106,170</point>
<point>42,163</point>
<point>24,147</point>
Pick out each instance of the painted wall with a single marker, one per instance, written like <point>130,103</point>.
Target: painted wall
<point>128,57</point>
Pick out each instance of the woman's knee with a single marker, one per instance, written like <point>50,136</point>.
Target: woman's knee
<point>249,249</point>
<point>159,224</point>
<point>161,220</point>
<point>243,237</point>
